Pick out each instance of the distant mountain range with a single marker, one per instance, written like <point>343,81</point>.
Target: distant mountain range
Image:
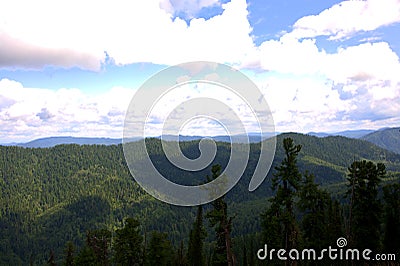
<point>354,134</point>
<point>387,138</point>
<point>53,141</point>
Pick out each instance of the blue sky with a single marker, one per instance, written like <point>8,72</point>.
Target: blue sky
<point>71,68</point>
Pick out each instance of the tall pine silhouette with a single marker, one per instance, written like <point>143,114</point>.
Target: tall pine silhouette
<point>365,207</point>
<point>197,235</point>
<point>391,195</point>
<point>279,224</point>
<point>218,218</point>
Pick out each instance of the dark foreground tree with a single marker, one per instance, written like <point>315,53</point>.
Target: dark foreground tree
<point>218,218</point>
<point>128,244</point>
<point>95,251</point>
<point>160,250</point>
<point>69,254</point>
<point>314,203</point>
<point>180,258</point>
<point>279,225</point>
<point>391,195</point>
<point>335,225</point>
<point>100,242</point>
<point>365,207</point>
<point>51,260</point>
<point>197,235</point>
<point>86,257</point>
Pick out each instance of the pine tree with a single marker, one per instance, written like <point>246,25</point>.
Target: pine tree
<point>272,228</point>
<point>366,208</point>
<point>314,204</point>
<point>335,222</point>
<point>160,251</point>
<point>197,235</point>
<point>279,225</point>
<point>218,218</point>
<point>51,260</point>
<point>128,244</point>
<point>69,254</point>
<point>244,251</point>
<point>391,195</point>
<point>86,257</point>
<point>100,241</point>
<point>252,259</point>
<point>180,258</point>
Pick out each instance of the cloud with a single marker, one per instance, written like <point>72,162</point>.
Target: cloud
<point>181,102</point>
<point>362,63</point>
<point>289,55</point>
<point>30,113</point>
<point>307,103</point>
<point>301,103</point>
<point>44,114</point>
<point>15,53</point>
<point>35,112</point>
<point>76,33</point>
<point>69,33</point>
<point>308,88</point>
<point>5,102</point>
<point>354,85</point>
<point>298,103</point>
<point>345,19</point>
<point>189,8</point>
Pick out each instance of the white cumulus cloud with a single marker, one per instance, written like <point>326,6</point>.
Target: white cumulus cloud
<point>188,7</point>
<point>78,33</point>
<point>347,18</point>
<point>309,88</point>
<point>29,113</point>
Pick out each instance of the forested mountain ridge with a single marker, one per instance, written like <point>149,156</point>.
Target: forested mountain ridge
<point>52,195</point>
<point>388,138</point>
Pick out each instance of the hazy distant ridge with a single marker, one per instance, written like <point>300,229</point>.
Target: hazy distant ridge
<point>354,134</point>
<point>387,138</point>
<point>53,141</point>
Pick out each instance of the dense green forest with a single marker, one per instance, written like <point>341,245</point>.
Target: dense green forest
<point>80,204</point>
<point>388,138</point>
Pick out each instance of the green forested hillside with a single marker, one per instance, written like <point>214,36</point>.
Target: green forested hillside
<point>53,195</point>
<point>386,138</point>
